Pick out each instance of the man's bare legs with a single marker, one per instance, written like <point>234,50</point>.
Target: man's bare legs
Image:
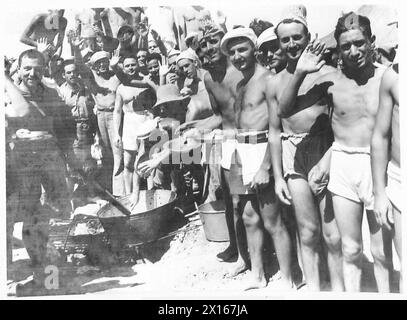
<point>397,243</point>
<point>332,240</point>
<point>231,251</point>
<point>255,239</point>
<point>348,215</point>
<point>131,177</point>
<point>306,213</point>
<point>242,263</point>
<point>270,211</point>
<point>380,247</point>
<point>129,159</point>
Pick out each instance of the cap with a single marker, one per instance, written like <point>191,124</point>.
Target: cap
<point>297,13</point>
<point>98,56</point>
<point>211,29</point>
<point>237,33</point>
<point>187,54</point>
<point>266,36</point>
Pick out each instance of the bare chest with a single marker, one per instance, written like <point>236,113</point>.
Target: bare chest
<point>352,101</point>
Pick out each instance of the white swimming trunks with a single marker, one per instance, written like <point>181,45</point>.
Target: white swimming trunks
<point>132,121</point>
<point>244,161</point>
<point>350,176</point>
<point>394,189</point>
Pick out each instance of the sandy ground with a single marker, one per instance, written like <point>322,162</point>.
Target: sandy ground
<point>180,266</point>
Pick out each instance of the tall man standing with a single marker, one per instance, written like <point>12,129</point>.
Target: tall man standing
<point>305,139</point>
<point>38,137</point>
<point>386,132</point>
<point>250,161</point>
<point>104,89</point>
<point>221,82</point>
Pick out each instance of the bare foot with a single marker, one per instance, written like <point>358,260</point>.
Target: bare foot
<point>255,283</point>
<point>239,267</point>
<point>227,255</point>
<point>282,285</point>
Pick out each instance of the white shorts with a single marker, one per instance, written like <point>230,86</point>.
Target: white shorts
<point>131,121</point>
<point>393,189</point>
<point>350,176</point>
<point>251,157</point>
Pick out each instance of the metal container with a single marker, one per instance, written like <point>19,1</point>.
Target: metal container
<point>214,221</point>
<point>149,220</point>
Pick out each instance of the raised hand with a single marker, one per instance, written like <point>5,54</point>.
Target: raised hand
<point>220,17</point>
<point>155,35</point>
<point>164,70</point>
<point>42,45</point>
<point>143,30</point>
<point>311,59</point>
<point>77,42</point>
<point>115,57</point>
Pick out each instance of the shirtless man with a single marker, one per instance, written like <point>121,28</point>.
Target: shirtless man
<point>46,26</point>
<point>38,163</point>
<point>250,171</point>
<point>133,103</point>
<point>221,82</point>
<point>353,94</point>
<point>104,89</point>
<point>269,52</point>
<point>388,199</point>
<point>305,139</point>
<point>199,107</point>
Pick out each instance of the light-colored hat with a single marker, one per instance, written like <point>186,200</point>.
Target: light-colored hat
<point>88,33</point>
<point>98,56</point>
<point>297,13</point>
<point>237,33</point>
<point>187,54</point>
<point>211,29</point>
<point>191,35</point>
<point>168,93</point>
<point>266,36</point>
<point>173,52</point>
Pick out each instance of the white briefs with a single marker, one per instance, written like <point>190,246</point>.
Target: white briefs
<point>350,175</point>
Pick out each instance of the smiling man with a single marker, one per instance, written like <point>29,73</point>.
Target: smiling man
<point>269,53</point>
<point>305,139</point>
<point>103,87</point>
<point>133,105</point>
<point>249,160</point>
<point>38,135</point>
<point>353,93</point>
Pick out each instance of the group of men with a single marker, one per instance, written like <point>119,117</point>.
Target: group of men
<point>295,133</point>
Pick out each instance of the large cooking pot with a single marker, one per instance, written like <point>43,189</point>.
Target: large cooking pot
<point>150,219</point>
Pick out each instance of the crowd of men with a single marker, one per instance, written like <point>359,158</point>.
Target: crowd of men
<point>303,129</point>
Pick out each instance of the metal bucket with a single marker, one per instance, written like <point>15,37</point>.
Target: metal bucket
<point>152,217</point>
<point>214,221</point>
